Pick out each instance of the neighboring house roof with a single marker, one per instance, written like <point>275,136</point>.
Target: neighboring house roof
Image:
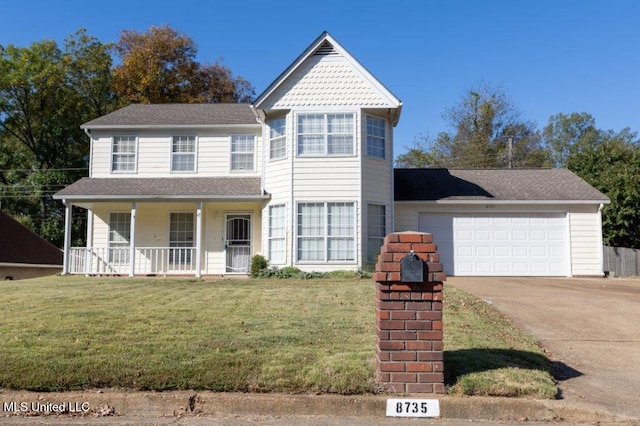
<point>490,185</point>
<point>316,85</point>
<point>197,188</point>
<point>19,245</point>
<point>176,115</point>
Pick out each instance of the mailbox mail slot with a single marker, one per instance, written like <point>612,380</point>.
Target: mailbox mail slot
<point>411,269</point>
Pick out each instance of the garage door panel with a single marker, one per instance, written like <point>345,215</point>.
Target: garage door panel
<point>499,244</point>
<point>539,251</point>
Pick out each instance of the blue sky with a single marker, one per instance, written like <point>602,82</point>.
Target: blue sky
<point>551,56</point>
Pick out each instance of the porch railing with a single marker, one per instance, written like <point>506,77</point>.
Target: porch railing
<point>148,260</point>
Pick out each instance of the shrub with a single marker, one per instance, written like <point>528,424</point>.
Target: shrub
<point>258,264</point>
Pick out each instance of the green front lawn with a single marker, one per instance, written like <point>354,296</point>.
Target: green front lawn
<point>62,333</point>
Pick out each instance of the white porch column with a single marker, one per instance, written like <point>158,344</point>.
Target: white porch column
<point>198,240</point>
<point>67,237</point>
<point>88,256</point>
<point>132,240</point>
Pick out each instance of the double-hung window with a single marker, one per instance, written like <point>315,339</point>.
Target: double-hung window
<point>183,154</point>
<point>123,154</point>
<point>181,230</point>
<point>376,229</point>
<point>326,134</point>
<point>277,138</point>
<point>375,137</point>
<point>277,232</point>
<point>326,232</point>
<point>119,237</point>
<point>242,153</point>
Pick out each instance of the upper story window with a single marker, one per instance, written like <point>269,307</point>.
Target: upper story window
<point>242,153</point>
<point>375,137</point>
<point>123,154</point>
<point>277,138</point>
<point>183,154</point>
<point>326,134</point>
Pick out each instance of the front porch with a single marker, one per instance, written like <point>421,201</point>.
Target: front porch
<point>150,261</point>
<point>156,238</point>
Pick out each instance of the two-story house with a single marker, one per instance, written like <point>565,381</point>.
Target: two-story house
<point>304,176</point>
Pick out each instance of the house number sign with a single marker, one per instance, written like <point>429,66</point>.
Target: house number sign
<point>409,407</point>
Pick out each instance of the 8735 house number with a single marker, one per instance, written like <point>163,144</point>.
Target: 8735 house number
<point>413,408</point>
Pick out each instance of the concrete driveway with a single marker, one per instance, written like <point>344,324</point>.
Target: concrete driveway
<point>591,327</point>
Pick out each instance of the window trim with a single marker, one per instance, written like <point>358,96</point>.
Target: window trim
<point>135,155</point>
<point>195,153</point>
<point>326,237</point>
<point>231,136</point>
<point>282,138</point>
<point>384,139</point>
<point>354,151</point>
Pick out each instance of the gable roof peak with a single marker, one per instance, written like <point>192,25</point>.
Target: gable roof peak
<point>327,46</point>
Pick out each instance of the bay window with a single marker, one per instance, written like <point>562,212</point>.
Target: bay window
<point>326,232</point>
<point>326,134</point>
<point>277,138</point>
<point>375,137</point>
<point>277,232</point>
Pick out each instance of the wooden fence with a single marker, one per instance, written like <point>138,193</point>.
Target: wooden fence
<point>623,262</point>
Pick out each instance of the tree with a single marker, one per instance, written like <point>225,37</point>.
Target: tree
<point>487,132</point>
<point>612,165</point>
<point>568,134</point>
<point>159,66</point>
<point>45,94</point>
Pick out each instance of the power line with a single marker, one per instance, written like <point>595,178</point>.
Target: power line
<point>68,169</point>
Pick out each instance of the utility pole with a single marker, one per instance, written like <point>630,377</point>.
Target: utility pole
<point>509,152</point>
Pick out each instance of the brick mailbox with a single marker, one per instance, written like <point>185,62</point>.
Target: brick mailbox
<point>409,279</point>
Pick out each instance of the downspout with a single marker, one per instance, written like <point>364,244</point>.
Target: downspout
<point>600,236</point>
<point>88,133</point>
<point>67,236</point>
<point>293,208</point>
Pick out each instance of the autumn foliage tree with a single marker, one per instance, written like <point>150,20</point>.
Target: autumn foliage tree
<point>159,66</point>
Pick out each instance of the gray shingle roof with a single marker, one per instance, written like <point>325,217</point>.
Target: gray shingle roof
<point>141,115</point>
<point>493,185</point>
<point>230,188</point>
<point>19,245</point>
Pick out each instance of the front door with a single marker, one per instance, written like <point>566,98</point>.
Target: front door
<point>238,243</point>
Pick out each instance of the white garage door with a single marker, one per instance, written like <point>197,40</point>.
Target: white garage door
<point>499,244</point>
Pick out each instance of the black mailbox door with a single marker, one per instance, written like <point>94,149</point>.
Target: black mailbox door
<point>411,269</point>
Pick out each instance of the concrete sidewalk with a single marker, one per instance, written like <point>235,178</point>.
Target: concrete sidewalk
<point>191,407</point>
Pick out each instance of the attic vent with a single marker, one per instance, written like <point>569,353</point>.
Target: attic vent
<point>326,49</point>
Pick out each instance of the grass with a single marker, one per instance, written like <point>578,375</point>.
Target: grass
<point>66,333</point>
<point>485,354</point>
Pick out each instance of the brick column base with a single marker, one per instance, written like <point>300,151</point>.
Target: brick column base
<point>409,317</point>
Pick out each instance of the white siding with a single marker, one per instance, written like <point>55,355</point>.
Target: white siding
<point>586,242</point>
<point>322,178</point>
<point>154,153</point>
